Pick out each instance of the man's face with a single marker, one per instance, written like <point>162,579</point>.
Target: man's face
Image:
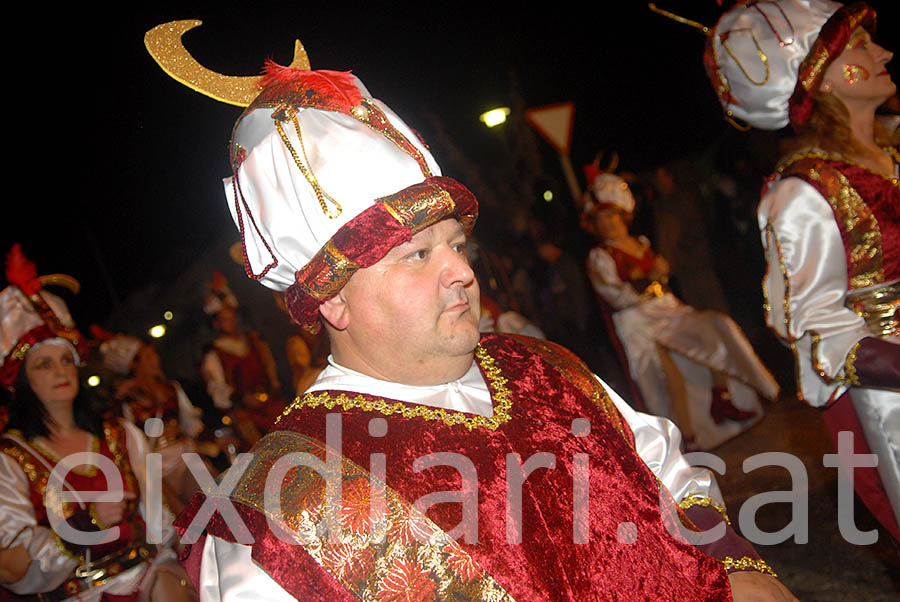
<point>419,304</point>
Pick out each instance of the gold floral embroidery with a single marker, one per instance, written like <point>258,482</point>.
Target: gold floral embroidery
<point>451,418</point>
<point>696,500</point>
<point>353,551</point>
<point>850,367</point>
<point>748,563</point>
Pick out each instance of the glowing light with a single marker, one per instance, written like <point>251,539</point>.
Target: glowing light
<point>158,331</point>
<point>548,195</point>
<point>494,116</point>
<point>93,380</point>
<point>168,315</point>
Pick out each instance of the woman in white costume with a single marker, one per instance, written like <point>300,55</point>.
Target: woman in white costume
<point>830,214</point>
<point>50,421</point>
<point>695,367</point>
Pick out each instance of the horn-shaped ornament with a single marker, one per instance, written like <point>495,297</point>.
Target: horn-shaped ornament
<point>63,280</point>
<point>165,45</point>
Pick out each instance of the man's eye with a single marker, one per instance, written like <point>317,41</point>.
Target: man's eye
<point>420,254</point>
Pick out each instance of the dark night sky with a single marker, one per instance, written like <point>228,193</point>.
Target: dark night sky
<point>124,164</point>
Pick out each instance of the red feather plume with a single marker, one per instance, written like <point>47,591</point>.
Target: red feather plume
<point>338,85</point>
<point>101,334</point>
<point>21,271</point>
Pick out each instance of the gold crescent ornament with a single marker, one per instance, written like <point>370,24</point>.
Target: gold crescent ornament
<point>63,280</point>
<point>164,44</point>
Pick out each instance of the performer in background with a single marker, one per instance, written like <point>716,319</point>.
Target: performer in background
<point>238,369</point>
<point>146,393</point>
<point>696,367</point>
<point>368,239</point>
<point>50,420</point>
<point>830,214</point>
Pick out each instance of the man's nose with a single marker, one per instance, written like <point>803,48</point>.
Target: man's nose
<point>456,269</point>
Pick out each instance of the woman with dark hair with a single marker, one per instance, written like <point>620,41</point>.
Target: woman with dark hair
<point>830,214</point>
<point>54,539</point>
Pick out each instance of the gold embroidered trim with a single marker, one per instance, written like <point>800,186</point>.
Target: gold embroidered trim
<point>791,159</point>
<point>85,470</point>
<point>705,502</point>
<point>786,302</point>
<point>449,417</point>
<point>747,563</point>
<point>20,351</point>
<point>368,543</point>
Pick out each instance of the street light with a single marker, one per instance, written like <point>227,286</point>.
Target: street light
<point>158,331</point>
<point>494,116</point>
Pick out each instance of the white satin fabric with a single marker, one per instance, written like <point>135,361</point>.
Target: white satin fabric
<point>18,316</point>
<point>697,341</point>
<point>228,574</point>
<point>783,30</point>
<point>352,162</point>
<point>51,565</point>
<point>806,284</point>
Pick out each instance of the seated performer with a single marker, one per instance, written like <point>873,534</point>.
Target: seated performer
<point>829,216</point>
<point>49,420</point>
<point>345,208</point>
<point>696,367</point>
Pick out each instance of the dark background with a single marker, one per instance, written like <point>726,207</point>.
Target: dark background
<point>115,169</point>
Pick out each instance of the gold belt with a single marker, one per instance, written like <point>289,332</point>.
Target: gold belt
<point>98,572</point>
<point>878,307</point>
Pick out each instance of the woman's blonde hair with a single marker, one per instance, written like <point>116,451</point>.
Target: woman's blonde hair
<point>828,129</point>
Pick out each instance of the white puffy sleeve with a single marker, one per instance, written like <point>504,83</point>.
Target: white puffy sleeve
<point>50,562</point>
<point>228,574</point>
<point>805,286</point>
<point>213,373</point>
<point>604,277</point>
<point>137,447</point>
<point>189,416</point>
<point>657,441</point>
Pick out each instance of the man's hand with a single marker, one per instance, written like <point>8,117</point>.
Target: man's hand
<point>749,586</point>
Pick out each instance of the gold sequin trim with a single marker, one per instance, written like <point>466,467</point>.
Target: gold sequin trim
<point>746,563</point>
<point>791,159</point>
<point>705,502</point>
<point>20,351</point>
<point>451,418</point>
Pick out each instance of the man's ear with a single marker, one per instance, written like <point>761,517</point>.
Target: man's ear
<point>336,312</point>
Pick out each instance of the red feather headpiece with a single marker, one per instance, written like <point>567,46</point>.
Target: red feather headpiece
<point>21,271</point>
<point>339,86</point>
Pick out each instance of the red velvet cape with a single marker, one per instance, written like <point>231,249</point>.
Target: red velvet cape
<point>548,388</point>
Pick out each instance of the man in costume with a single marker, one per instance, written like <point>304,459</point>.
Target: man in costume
<point>830,214</point>
<point>342,206</point>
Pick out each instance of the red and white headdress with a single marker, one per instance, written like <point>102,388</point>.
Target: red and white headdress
<point>31,317</point>
<point>767,59</point>
<point>327,179</point>
<point>116,350</point>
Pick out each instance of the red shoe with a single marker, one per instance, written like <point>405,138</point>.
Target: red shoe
<point>722,409</point>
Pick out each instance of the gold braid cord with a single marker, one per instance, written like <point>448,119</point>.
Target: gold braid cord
<point>696,500</point>
<point>746,564</point>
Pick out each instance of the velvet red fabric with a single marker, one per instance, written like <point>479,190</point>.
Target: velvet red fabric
<point>880,196</point>
<point>628,554</point>
<point>9,371</point>
<point>840,416</point>
<point>368,237</point>
<point>827,47</point>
